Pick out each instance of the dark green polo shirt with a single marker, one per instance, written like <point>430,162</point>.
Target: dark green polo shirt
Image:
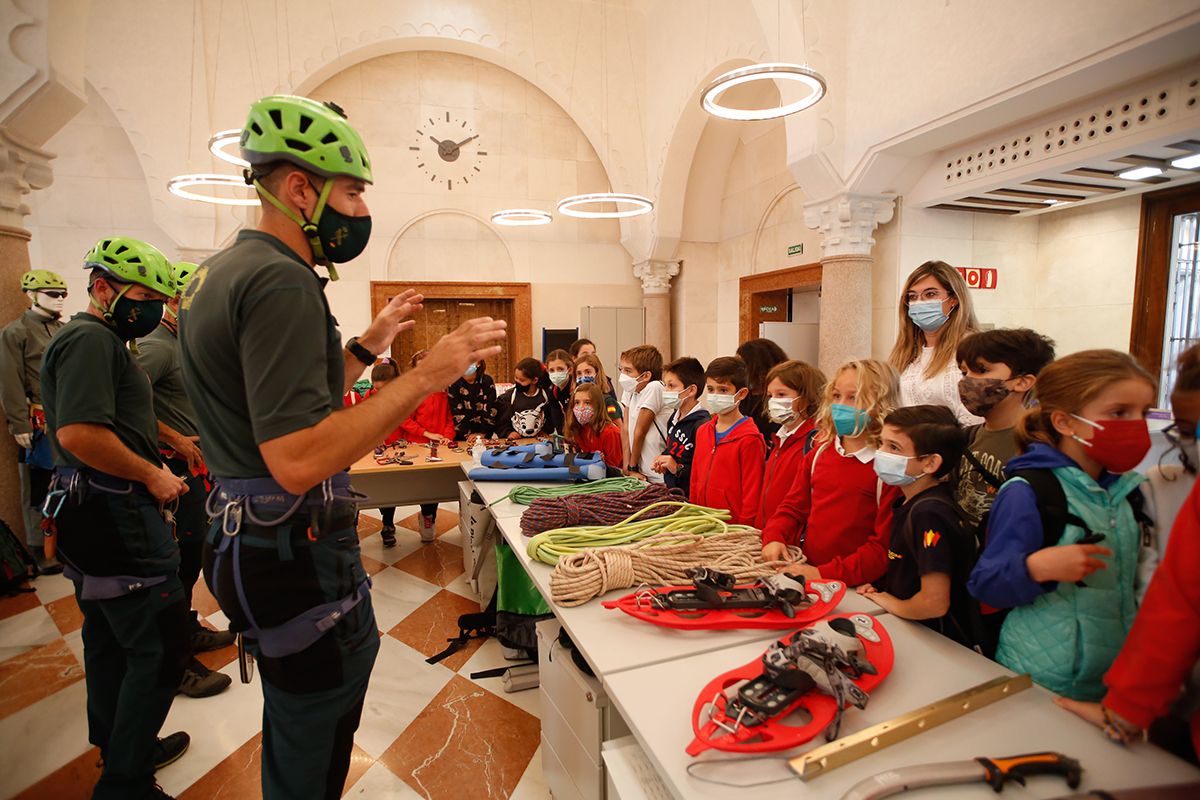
<point>89,376</point>
<point>262,355</point>
<point>158,354</point>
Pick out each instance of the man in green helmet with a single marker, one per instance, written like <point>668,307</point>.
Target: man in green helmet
<point>178,442</point>
<point>107,501</point>
<point>22,343</point>
<point>264,365</point>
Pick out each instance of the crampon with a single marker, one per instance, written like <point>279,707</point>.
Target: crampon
<point>714,602</point>
<point>800,687</point>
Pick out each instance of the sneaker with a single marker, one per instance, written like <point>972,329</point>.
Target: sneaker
<point>200,681</point>
<point>204,639</point>
<point>389,535</point>
<point>169,749</point>
<point>428,531</point>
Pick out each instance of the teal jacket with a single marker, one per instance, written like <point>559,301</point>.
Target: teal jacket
<point>1067,636</point>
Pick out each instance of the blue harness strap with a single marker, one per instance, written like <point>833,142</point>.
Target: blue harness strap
<point>109,587</point>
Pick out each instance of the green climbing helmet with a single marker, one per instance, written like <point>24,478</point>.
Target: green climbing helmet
<point>311,135</point>
<point>39,279</point>
<point>130,260</point>
<point>181,273</point>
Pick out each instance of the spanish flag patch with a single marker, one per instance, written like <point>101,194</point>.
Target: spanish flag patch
<point>932,538</point>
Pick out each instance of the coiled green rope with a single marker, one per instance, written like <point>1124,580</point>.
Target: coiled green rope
<point>688,521</point>
<point>525,495</point>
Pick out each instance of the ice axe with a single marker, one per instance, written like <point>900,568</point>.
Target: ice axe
<point>995,772</point>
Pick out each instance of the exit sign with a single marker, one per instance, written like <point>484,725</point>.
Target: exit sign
<point>979,277</point>
<point>796,249</point>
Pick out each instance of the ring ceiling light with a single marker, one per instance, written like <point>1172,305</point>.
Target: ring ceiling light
<point>571,206</point>
<point>517,217</point>
<point>223,139</point>
<point>710,99</point>
<point>180,183</point>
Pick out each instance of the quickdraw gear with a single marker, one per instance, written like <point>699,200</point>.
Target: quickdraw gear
<point>715,602</point>
<point>819,670</point>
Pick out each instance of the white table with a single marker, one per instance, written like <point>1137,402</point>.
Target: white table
<point>657,701</point>
<point>613,641</point>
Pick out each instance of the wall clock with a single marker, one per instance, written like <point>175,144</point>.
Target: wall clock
<point>448,151</point>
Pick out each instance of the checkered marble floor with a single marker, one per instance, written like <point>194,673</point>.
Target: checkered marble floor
<point>427,730</point>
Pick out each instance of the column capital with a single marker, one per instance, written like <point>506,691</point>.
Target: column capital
<point>656,275</point>
<point>23,168</point>
<point>846,222</point>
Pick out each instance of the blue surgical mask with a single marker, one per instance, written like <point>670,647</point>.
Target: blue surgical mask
<point>471,370</point>
<point>892,469</point>
<point>849,420</point>
<point>585,379</point>
<point>928,315</point>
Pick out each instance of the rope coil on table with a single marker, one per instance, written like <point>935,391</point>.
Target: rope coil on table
<point>610,508</point>
<point>525,495</point>
<point>662,559</point>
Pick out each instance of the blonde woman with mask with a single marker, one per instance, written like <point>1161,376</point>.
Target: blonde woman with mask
<point>936,313</point>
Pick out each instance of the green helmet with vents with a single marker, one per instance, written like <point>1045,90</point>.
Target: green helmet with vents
<point>130,260</point>
<point>314,136</point>
<point>181,273</point>
<point>39,279</point>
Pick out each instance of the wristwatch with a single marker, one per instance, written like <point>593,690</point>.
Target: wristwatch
<point>358,351</point>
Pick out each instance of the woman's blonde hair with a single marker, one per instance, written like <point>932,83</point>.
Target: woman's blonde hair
<point>1071,383</point>
<point>877,391</point>
<point>911,338</point>
<point>599,422</point>
<point>593,362</point>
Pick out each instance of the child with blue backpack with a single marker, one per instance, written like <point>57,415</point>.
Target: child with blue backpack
<point>1062,540</point>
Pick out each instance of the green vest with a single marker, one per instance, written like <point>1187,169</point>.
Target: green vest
<point>1068,637</point>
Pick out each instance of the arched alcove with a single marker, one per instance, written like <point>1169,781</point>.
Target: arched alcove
<point>449,244</point>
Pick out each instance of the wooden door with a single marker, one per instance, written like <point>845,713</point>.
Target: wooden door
<point>442,315</point>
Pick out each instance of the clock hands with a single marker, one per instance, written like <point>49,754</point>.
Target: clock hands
<point>464,141</point>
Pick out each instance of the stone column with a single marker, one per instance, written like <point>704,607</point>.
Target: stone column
<point>23,168</point>
<point>656,299</point>
<point>846,223</point>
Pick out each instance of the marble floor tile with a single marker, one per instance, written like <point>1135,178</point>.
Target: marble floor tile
<point>66,614</point>
<point>239,777</point>
<point>446,521</point>
<point>18,603</point>
<point>218,726</point>
<point>202,600</point>
<point>406,542</point>
<point>371,565</point>
<point>461,585</point>
<point>27,629</point>
<point>55,727</point>
<point>532,785</point>
<point>74,642</point>
<point>402,685</point>
<point>436,562</point>
<point>427,629</point>
<point>490,656</point>
<point>76,778</point>
<point>36,675</point>
<point>396,594</point>
<point>216,620</point>
<point>52,587</point>
<point>368,526</point>
<point>378,783</point>
<point>467,739</point>
<point>452,536</point>
<point>219,659</point>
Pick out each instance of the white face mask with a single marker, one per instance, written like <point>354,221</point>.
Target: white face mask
<point>781,409</point>
<point>719,403</point>
<point>627,382</point>
<point>671,399</point>
<point>559,378</point>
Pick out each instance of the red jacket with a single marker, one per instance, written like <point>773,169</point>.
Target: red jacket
<point>729,475</point>
<point>608,443</point>
<point>432,415</point>
<point>839,513</point>
<point>782,466</point>
<point>1164,643</point>
<point>354,398</point>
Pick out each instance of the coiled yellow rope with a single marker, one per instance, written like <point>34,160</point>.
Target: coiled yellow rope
<point>525,495</point>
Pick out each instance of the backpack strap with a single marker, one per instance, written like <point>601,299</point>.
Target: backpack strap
<point>1137,501</point>
<point>809,440</point>
<point>983,471</point>
<point>1051,504</point>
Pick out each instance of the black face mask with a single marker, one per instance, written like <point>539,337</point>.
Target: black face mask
<point>342,238</point>
<point>132,319</point>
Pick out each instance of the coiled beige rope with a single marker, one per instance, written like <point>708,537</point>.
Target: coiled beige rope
<point>660,560</point>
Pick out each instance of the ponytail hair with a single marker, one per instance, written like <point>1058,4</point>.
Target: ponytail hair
<point>1071,383</point>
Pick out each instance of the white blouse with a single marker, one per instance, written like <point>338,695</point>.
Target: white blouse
<point>939,390</point>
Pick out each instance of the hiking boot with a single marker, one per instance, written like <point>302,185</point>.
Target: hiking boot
<point>200,681</point>
<point>428,531</point>
<point>168,749</point>
<point>46,565</point>
<point>388,534</point>
<point>204,639</point>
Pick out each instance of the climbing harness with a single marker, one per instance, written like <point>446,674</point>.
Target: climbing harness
<point>821,669</point>
<point>715,601</point>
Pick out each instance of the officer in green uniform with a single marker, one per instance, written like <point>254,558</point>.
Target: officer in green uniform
<point>107,499</point>
<point>264,366</point>
<point>178,440</point>
<point>22,343</point>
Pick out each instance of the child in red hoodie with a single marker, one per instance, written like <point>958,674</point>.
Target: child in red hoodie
<point>727,469</point>
<point>794,391</point>
<point>838,511</point>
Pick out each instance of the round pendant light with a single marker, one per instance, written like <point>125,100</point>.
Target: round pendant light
<point>576,206</point>
<point>710,99</point>
<point>179,185</point>
<point>522,217</point>
<point>219,143</point>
